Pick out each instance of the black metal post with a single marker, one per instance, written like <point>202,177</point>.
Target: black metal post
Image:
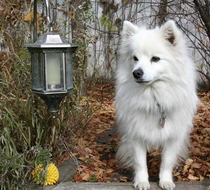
<point>35,22</point>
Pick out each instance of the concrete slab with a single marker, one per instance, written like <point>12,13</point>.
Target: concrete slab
<point>125,186</point>
<point>67,170</point>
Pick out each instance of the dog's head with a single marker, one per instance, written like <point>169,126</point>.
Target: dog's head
<point>153,54</point>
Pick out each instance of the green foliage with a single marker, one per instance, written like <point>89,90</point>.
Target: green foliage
<point>10,162</point>
<point>42,156</point>
<point>107,23</point>
<point>93,178</point>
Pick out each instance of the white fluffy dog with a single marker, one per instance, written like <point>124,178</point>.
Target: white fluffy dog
<point>155,99</point>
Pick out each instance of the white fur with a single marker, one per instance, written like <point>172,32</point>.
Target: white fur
<point>171,82</point>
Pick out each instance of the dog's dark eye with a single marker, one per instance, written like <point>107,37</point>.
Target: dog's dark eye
<point>135,58</point>
<point>155,59</point>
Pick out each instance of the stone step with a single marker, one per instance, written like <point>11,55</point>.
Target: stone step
<point>125,186</point>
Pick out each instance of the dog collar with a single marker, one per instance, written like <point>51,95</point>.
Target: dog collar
<point>162,116</point>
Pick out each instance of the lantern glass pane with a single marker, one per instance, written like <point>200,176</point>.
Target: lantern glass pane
<point>69,82</point>
<point>54,71</point>
<point>37,60</point>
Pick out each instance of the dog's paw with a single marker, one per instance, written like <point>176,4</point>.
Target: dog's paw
<point>167,185</point>
<point>142,185</point>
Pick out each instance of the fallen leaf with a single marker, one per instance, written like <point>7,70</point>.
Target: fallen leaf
<point>189,161</point>
<point>85,176</point>
<point>196,165</point>
<point>193,178</point>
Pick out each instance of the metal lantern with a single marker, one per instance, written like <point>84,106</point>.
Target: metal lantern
<point>51,60</point>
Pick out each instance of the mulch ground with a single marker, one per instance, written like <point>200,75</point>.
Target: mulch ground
<point>97,145</point>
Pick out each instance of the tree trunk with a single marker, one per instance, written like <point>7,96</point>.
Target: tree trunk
<point>162,12</point>
<point>204,13</point>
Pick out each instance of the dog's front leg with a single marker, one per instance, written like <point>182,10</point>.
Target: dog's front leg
<point>169,158</point>
<point>140,167</point>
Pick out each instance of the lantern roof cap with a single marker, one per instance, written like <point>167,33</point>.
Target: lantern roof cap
<point>51,40</point>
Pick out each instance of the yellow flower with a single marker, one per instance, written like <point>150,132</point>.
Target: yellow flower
<point>46,176</point>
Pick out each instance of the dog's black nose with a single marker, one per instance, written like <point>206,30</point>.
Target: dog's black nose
<point>137,74</point>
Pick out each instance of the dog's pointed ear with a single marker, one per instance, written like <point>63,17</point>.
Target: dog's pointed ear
<point>171,32</point>
<point>129,29</point>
